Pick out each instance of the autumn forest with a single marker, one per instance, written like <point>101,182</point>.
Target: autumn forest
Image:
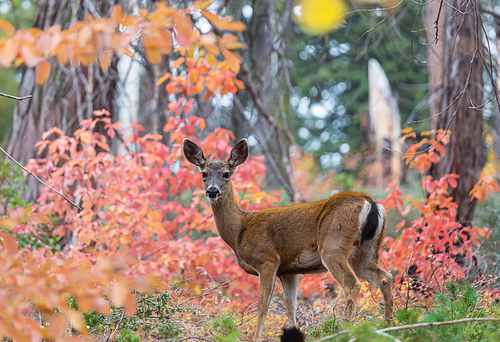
<point>224,170</point>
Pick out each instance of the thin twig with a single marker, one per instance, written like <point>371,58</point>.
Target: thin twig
<point>22,98</point>
<point>437,324</point>
<point>117,326</point>
<point>41,181</point>
<point>207,292</point>
<point>192,337</point>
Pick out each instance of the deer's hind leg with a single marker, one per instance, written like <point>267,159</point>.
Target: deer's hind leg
<point>365,264</point>
<point>334,256</point>
<point>289,283</point>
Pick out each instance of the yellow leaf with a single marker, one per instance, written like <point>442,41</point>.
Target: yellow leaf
<point>7,27</point>
<point>212,61</point>
<point>42,72</point>
<point>9,222</point>
<point>202,4</point>
<point>9,51</point>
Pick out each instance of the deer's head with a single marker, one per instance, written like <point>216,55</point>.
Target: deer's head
<point>216,174</point>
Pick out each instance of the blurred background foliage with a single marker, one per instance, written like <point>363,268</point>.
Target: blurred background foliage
<point>20,13</point>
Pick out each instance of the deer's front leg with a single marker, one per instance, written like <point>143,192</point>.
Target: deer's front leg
<point>267,278</point>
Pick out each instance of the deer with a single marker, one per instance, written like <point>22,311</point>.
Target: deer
<point>341,235</point>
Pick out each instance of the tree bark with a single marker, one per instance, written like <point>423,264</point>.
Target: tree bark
<point>70,94</point>
<point>460,105</point>
<point>434,21</point>
<point>264,95</point>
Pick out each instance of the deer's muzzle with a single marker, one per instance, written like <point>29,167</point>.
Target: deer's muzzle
<point>212,192</point>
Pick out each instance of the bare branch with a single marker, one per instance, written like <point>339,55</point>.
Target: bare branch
<point>297,196</point>
<point>22,98</point>
<point>38,179</point>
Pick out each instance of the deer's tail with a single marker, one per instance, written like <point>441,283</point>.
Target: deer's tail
<point>372,220</point>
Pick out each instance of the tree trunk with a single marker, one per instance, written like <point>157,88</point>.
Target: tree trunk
<point>262,102</point>
<point>460,105</point>
<point>435,17</point>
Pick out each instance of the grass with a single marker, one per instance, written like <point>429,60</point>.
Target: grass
<point>318,318</point>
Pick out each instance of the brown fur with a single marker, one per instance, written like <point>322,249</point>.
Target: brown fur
<point>299,239</point>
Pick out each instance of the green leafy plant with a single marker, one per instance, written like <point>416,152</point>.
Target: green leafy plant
<point>224,325</point>
<point>11,186</point>
<point>128,336</point>
<point>329,327</point>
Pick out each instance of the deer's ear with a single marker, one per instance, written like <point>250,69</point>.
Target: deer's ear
<point>239,153</point>
<point>193,153</point>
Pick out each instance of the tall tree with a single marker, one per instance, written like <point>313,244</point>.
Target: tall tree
<point>460,105</point>
<point>70,94</point>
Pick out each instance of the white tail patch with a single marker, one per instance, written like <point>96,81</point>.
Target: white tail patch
<point>364,214</point>
<point>381,219</point>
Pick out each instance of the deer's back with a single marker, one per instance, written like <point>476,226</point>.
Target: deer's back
<point>291,232</point>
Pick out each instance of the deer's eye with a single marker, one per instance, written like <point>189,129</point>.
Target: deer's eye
<point>226,175</point>
<point>203,175</point>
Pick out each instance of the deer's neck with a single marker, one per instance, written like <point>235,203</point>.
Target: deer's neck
<point>228,217</point>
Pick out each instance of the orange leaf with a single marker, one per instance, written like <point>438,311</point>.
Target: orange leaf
<point>163,78</point>
<point>105,59</point>
<point>10,244</point>
<point>166,42</point>
<point>42,72</point>
<point>183,29</point>
<point>129,304</point>
<point>87,54</point>
<point>77,321</point>
<point>62,54</point>
<point>30,55</point>
<point>117,14</point>
<point>178,62</point>
<point>58,326</point>
<point>235,26</point>
<point>152,49</point>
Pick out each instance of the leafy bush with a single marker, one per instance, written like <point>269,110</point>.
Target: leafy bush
<point>153,314</point>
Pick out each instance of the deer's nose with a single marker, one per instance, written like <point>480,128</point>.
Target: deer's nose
<point>212,192</point>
